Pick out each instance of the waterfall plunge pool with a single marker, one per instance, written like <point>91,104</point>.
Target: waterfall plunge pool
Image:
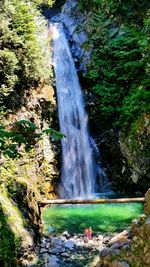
<point>103,218</point>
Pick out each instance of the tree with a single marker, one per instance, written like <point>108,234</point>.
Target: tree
<point>23,133</point>
<point>22,58</point>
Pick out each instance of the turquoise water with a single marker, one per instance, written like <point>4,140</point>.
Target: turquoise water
<point>104,218</point>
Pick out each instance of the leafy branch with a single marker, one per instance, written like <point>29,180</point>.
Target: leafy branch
<point>23,133</point>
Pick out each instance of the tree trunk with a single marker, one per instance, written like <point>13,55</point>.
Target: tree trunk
<point>89,201</point>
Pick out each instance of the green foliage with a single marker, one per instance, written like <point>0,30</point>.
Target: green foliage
<point>119,72</point>
<point>9,66</point>
<point>133,10</point>
<point>7,246</point>
<point>22,58</point>
<point>12,231</point>
<point>135,104</point>
<point>23,133</point>
<point>43,2</point>
<point>54,134</point>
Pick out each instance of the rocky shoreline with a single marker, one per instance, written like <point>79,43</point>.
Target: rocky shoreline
<point>77,251</point>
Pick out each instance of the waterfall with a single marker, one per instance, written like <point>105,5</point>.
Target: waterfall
<point>102,183</point>
<point>78,177</point>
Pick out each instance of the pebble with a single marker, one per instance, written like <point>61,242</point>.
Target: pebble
<point>65,233</point>
<point>48,245</point>
<point>100,237</point>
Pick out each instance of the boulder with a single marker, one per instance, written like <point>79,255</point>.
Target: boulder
<point>105,252</point>
<point>48,245</point>
<point>56,242</point>
<point>119,245</point>
<point>69,244</point>
<point>123,236</point>
<point>66,234</point>
<point>56,250</point>
<point>43,250</point>
<point>53,261</point>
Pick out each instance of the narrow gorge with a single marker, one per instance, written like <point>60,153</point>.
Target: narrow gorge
<point>74,125</point>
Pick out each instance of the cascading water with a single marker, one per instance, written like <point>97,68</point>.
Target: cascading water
<point>78,164</point>
<point>102,183</point>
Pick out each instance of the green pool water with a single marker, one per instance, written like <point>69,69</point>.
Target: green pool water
<point>104,218</point>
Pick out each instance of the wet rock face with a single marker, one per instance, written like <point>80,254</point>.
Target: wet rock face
<point>126,168</point>
<point>114,163</point>
<point>128,171</point>
<point>72,21</point>
<point>138,159</point>
<point>67,13</point>
<point>54,11</point>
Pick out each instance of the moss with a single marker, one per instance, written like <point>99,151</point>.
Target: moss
<point>135,148</point>
<point>13,234</point>
<point>7,244</point>
<point>19,211</point>
<point>21,187</point>
<point>138,135</point>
